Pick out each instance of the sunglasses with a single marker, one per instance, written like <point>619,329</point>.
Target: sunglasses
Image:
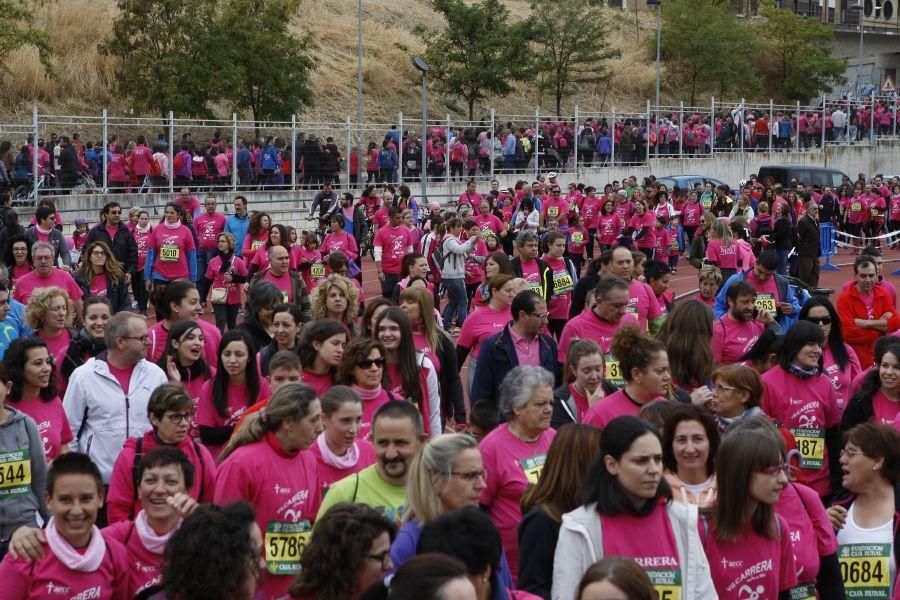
<point>819,320</point>
<point>367,363</point>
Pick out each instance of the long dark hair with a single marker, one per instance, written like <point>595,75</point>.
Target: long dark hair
<point>283,234</point>
<point>800,334</point>
<point>871,383</point>
<point>409,368</point>
<point>220,381</point>
<point>197,370</point>
<point>836,335</point>
<point>14,360</point>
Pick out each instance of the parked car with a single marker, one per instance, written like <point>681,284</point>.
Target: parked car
<point>815,176</point>
<point>690,181</point>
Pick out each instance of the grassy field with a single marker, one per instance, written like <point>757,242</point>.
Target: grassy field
<point>84,81</point>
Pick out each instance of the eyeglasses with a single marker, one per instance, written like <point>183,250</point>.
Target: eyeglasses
<point>177,418</point>
<point>383,557</point>
<point>819,320</point>
<point>540,316</point>
<point>368,363</point>
<point>851,453</point>
<point>775,470</point>
<point>719,388</point>
<point>144,339</point>
<point>470,476</point>
<point>98,253</point>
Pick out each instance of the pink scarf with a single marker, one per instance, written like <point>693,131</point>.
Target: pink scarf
<point>331,459</point>
<point>88,562</point>
<point>41,230</point>
<point>151,540</point>
<point>365,394</point>
<point>171,225</point>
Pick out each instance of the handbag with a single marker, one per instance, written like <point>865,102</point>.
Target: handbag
<point>218,295</point>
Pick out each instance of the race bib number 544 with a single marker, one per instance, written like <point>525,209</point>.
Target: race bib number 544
<point>15,474</point>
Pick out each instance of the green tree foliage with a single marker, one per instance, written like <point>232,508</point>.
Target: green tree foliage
<point>705,48</point>
<point>571,45</point>
<point>796,61</point>
<point>166,62</point>
<point>16,32</point>
<point>266,69</point>
<point>480,53</point>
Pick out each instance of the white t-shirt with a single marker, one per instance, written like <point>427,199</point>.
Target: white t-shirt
<point>854,540</point>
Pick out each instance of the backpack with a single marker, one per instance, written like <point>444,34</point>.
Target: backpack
<point>385,159</point>
<point>588,140</point>
<point>689,136</point>
<point>456,152</point>
<point>178,163</point>
<point>437,255</point>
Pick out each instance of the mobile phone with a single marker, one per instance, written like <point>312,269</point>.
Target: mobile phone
<point>755,312</point>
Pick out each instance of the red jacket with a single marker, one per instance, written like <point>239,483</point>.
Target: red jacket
<point>850,306</point>
<point>139,160</point>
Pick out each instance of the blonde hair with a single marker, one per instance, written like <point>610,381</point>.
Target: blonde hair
<point>320,294</point>
<point>710,272</point>
<point>114,271</point>
<point>228,238</point>
<point>290,402</point>
<point>423,298</point>
<point>39,306</point>
<point>432,466</point>
<point>521,284</point>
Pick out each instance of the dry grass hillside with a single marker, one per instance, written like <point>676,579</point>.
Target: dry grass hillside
<point>84,78</point>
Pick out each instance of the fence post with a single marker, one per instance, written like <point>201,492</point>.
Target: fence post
<point>347,150</point>
<point>824,108</point>
<point>172,152</point>
<point>894,108</point>
<point>293,152</point>
<point>106,150</point>
<point>771,121</point>
<point>34,155</point>
<point>712,126</point>
<point>491,155</point>
<point>647,141</point>
<point>741,128</point>
<point>537,135</point>
<point>575,143</point>
<point>400,146</point>
<point>447,154</point>
<point>612,139</point>
<point>680,128</point>
<point>797,128</point>
<point>872,120</point>
<point>235,147</point>
<point>847,127</point>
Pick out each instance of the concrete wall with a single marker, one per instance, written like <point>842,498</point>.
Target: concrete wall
<point>883,156</point>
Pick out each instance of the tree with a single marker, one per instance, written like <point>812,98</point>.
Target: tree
<point>266,68</point>
<point>479,53</point>
<point>166,62</point>
<point>571,45</point>
<point>797,59</point>
<point>704,47</point>
<point>16,32</point>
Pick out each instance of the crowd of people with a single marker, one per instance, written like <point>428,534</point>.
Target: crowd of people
<point>524,411</point>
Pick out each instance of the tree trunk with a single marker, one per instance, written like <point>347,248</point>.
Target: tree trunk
<point>471,108</point>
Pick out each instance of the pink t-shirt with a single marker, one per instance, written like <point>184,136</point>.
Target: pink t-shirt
<point>531,275</point>
<point>563,284</point>
<point>48,578</point>
<point>58,346</point>
<point>395,242</point>
<point>732,339</point>
<point>284,283</point>
<point>143,565</point>
<point>142,240</point>
<point>480,325</point>
<point>489,224</point>
<point>609,228</point>
<point>638,223</point>
<point>331,474</point>
<point>512,465</point>
<point>841,380</point>
<point>238,400</point>
<point>642,303</point>
<point>208,228</point>
<point>556,209</point>
<point>807,407</point>
<point>218,279</point>
<point>886,410</point>
<point>284,489</point>
<point>123,376</point>
<point>588,326</point>
<point>615,405</point>
<point>475,269</point>
<point>691,213</point>
<point>212,337</point>
<point>380,218</point>
<point>370,407</point>
<point>802,509</point>
<point>590,210</point>
<point>316,271</point>
<point>578,237</point>
<point>724,256</point>
<point>26,284</point>
<point>753,563</point>
<point>171,247</point>
<point>319,383</point>
<point>52,423</point>
<point>340,241</point>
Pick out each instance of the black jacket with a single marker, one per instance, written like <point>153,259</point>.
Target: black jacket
<point>452,404</point>
<point>783,235</point>
<point>82,347</point>
<point>117,294</point>
<point>259,337</point>
<point>564,410</point>
<point>546,274</point>
<point>123,247</point>
<point>807,237</point>
<point>538,534</point>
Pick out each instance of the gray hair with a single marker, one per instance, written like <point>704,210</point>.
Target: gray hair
<point>519,385</point>
<point>262,294</point>
<point>119,326</point>
<point>38,245</point>
<point>525,237</point>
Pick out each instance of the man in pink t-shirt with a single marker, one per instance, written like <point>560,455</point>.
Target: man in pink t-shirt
<point>208,225</point>
<point>736,332</point>
<point>642,301</point>
<point>46,275</point>
<point>488,223</point>
<point>391,244</point>
<point>190,203</point>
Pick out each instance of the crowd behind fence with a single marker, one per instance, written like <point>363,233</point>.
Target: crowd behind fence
<point>308,153</point>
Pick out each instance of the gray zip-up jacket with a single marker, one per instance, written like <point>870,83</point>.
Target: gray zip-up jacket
<point>455,257</point>
<point>20,440</point>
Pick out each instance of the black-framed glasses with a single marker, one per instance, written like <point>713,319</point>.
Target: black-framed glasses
<point>819,320</point>
<point>368,363</point>
<point>144,339</point>
<point>541,316</point>
<point>383,557</point>
<point>177,418</point>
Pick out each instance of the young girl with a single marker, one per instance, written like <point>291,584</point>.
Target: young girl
<point>492,243</point>
<point>78,238</point>
<point>235,387</point>
<point>311,267</point>
<point>721,250</point>
<point>609,226</point>
<point>676,243</point>
<point>474,260</point>
<point>578,238</point>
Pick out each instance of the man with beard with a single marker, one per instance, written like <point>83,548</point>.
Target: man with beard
<point>397,434</point>
<point>736,332</point>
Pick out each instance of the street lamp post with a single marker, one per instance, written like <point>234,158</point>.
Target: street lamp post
<point>658,6</point>
<point>858,9</point>
<point>423,68</point>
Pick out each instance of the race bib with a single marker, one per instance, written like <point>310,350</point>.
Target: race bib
<point>766,302</point>
<point>856,207</point>
<point>806,591</point>
<point>485,232</point>
<point>285,543</point>
<point>811,444</point>
<point>256,244</point>
<point>674,244</point>
<point>285,298</point>
<point>865,569</point>
<point>537,288</point>
<point>533,467</point>
<point>552,211</point>
<point>666,582</point>
<point>875,212</point>
<point>169,253</point>
<point>317,271</point>
<point>562,283</point>
<point>613,371</point>
<point>632,309</point>
<point>577,238</point>
<point>15,473</point>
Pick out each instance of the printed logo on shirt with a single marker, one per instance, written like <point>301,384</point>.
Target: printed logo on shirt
<point>865,570</point>
<point>805,591</point>
<point>15,474</point>
<point>533,466</point>
<point>256,244</point>
<point>747,591</point>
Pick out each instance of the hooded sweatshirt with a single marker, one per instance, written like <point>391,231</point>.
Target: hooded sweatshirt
<point>21,497</point>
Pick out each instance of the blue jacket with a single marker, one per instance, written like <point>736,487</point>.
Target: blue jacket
<point>243,161</point>
<point>497,357</point>
<point>238,228</point>
<point>269,158</point>
<point>785,293</point>
<point>604,145</point>
<point>16,318</point>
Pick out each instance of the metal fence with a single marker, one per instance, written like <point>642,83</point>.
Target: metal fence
<point>453,149</point>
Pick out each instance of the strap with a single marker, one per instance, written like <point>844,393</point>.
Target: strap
<point>135,470</point>
<point>356,488</point>
<point>202,467</point>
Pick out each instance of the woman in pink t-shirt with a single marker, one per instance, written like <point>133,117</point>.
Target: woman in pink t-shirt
<point>747,544</point>
<point>181,302</point>
<point>50,313</point>
<point>235,387</point>
<point>488,319</point>
<point>336,298</point>
<point>142,233</point>
<point>257,235</point>
<point>839,360</point>
<point>30,367</point>
<point>226,271</point>
<point>710,279</point>
<point>320,349</point>
<point>172,251</point>
<point>183,362</point>
<point>721,250</point>
<point>609,226</point>
<point>340,240</point>
<point>363,369</point>
<point>339,450</point>
<point>878,399</point>
<point>494,264</point>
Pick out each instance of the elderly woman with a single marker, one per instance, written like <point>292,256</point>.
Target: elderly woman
<point>262,299</point>
<point>50,313</point>
<point>336,298</point>
<point>514,453</point>
<point>103,276</point>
